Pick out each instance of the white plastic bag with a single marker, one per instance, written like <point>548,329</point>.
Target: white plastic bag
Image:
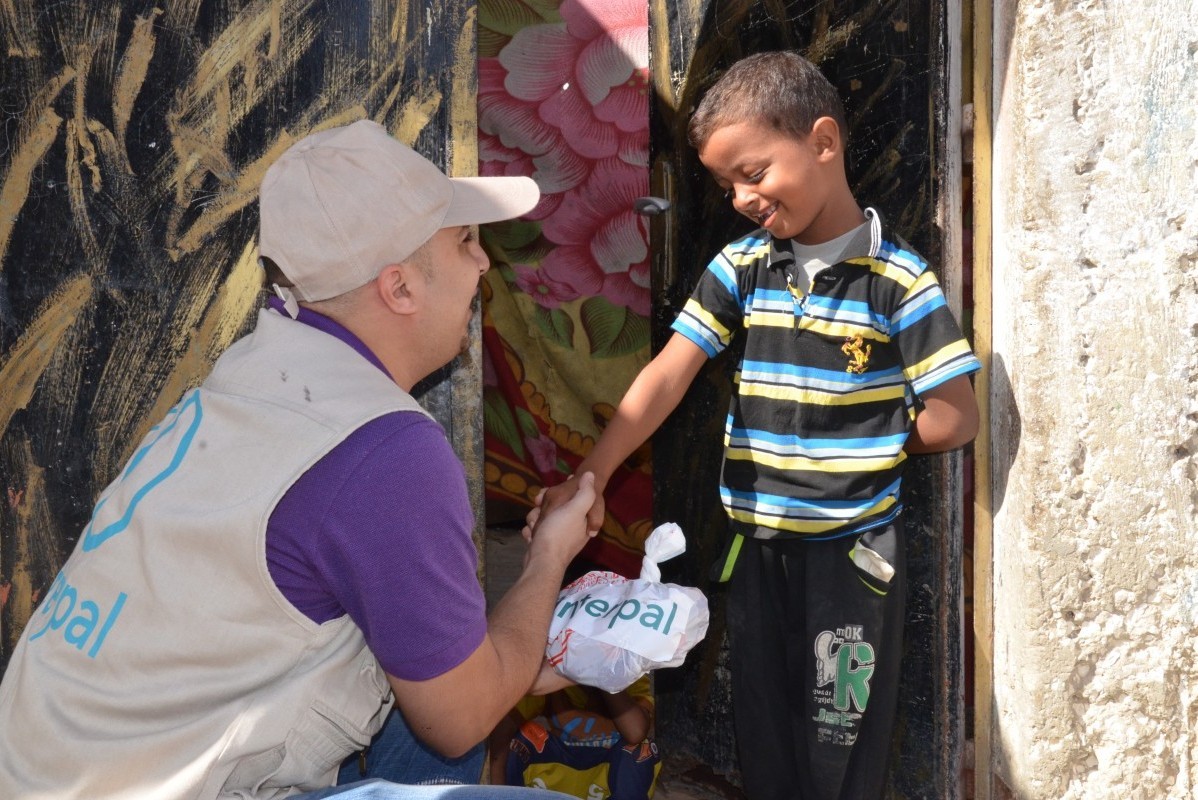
<point>607,631</point>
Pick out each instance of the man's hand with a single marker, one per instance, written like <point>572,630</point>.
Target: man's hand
<point>548,680</point>
<point>457,709</point>
<point>552,497</point>
<point>564,522</point>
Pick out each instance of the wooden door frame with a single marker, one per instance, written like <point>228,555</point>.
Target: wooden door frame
<point>983,598</point>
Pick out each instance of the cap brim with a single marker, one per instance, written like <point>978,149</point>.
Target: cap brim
<point>477,201</point>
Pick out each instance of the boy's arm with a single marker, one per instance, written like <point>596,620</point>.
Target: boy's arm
<point>630,717</point>
<point>655,393</point>
<point>949,418</point>
<point>498,745</point>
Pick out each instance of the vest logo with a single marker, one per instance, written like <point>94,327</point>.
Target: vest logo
<point>843,659</point>
<point>135,482</point>
<point>78,619</point>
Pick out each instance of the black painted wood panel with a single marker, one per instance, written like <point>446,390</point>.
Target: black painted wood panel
<point>133,135</point>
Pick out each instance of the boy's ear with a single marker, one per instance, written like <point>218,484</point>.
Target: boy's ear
<point>826,137</point>
<point>396,287</point>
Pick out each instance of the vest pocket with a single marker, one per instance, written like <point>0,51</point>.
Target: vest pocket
<point>306,760</point>
<point>313,749</point>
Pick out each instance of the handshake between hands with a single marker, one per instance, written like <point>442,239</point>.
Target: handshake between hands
<point>552,498</point>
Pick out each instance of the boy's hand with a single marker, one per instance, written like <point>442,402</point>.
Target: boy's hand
<point>563,529</point>
<point>554,496</point>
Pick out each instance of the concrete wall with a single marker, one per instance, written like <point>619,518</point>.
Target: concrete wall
<point>1095,399</point>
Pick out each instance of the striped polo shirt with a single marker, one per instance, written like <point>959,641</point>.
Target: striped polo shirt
<point>828,381</point>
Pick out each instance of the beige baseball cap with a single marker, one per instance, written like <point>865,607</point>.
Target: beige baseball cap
<point>341,204</point>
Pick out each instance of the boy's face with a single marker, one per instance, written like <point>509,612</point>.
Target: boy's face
<point>775,179</point>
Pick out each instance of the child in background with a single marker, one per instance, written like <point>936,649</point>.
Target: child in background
<point>852,360</point>
<point>580,741</point>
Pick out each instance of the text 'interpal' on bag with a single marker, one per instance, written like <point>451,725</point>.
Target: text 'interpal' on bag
<point>626,610</point>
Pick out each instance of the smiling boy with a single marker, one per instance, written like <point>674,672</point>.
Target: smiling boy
<point>852,360</point>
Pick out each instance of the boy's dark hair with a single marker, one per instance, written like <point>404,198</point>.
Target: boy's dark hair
<point>780,89</point>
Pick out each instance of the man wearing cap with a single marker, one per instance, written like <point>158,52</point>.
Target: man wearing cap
<point>287,556</point>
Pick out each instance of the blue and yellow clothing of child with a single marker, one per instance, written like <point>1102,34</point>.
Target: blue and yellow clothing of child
<point>569,741</point>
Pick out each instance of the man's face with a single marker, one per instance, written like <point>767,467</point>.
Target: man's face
<point>773,178</point>
<point>455,265</point>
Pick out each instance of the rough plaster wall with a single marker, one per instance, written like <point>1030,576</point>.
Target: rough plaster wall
<point>1095,399</point>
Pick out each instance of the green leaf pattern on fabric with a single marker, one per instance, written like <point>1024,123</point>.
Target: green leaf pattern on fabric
<point>557,326</point>
<point>499,421</point>
<point>612,330</point>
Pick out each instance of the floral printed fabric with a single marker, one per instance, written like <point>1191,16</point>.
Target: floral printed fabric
<point>563,98</point>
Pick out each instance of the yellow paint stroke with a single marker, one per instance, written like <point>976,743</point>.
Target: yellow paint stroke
<point>83,224</point>
<point>18,28</point>
<point>78,132</point>
<point>241,193</point>
<point>107,144</point>
<point>131,76</point>
<point>276,29</point>
<point>81,154</point>
<point>416,113</point>
<point>463,103</point>
<point>35,141</point>
<point>181,15</point>
<point>236,300</point>
<point>663,80</point>
<point>399,22</point>
<point>224,55</point>
<point>24,364</point>
<point>33,520</point>
<point>214,103</point>
<point>198,155</point>
<point>257,22</point>
<point>832,42</point>
<point>244,189</point>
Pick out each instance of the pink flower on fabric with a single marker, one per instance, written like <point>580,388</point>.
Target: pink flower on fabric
<point>568,105</point>
<point>514,140</point>
<point>589,79</point>
<point>538,284</point>
<point>602,243</point>
<point>544,453</point>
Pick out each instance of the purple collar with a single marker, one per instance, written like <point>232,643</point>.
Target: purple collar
<point>330,326</point>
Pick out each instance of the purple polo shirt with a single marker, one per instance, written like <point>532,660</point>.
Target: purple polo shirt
<point>380,529</point>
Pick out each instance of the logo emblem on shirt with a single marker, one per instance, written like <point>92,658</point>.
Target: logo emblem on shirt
<point>858,355</point>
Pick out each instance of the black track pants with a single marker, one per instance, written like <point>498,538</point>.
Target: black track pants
<point>815,642</point>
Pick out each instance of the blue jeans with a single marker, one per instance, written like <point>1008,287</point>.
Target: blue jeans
<point>398,766</point>
<point>383,790</point>
<point>396,755</point>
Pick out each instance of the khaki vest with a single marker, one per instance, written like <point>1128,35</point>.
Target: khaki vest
<point>163,662</point>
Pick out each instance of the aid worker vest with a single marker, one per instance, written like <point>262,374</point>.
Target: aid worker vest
<point>163,662</point>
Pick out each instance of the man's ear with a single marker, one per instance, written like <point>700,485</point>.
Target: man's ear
<point>397,287</point>
<point>827,138</point>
